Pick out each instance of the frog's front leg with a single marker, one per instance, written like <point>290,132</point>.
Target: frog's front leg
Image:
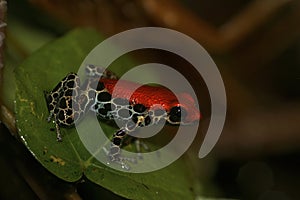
<point>114,153</point>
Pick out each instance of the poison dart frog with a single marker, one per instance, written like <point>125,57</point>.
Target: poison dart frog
<point>70,100</point>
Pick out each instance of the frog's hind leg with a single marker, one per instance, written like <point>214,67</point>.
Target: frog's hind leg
<point>60,104</point>
<point>99,72</point>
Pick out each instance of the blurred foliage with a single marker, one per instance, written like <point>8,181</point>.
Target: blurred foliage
<point>26,34</point>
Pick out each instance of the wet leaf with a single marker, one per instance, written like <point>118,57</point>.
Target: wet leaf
<point>69,159</point>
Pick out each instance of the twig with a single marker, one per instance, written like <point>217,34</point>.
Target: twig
<point>2,29</point>
<point>170,13</point>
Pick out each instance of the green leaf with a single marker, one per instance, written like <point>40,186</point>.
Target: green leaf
<point>69,159</point>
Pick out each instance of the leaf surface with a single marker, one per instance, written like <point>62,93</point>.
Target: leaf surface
<point>70,160</point>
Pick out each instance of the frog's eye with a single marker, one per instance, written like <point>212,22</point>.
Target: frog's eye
<point>176,113</point>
